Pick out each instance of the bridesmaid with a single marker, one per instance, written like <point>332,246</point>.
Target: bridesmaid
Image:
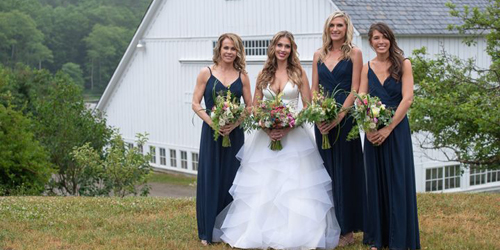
<point>218,165</point>
<point>337,66</point>
<point>392,203</point>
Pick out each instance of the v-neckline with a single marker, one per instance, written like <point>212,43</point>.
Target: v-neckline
<point>378,79</point>
<point>229,86</point>
<point>276,93</point>
<point>334,67</point>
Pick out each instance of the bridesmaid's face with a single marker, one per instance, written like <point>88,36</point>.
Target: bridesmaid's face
<point>283,49</point>
<point>380,43</point>
<point>228,51</point>
<point>338,29</point>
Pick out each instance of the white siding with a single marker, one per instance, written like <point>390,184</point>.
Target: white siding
<point>435,45</point>
<point>195,18</point>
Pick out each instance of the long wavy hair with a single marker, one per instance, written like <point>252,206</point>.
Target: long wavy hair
<point>327,40</point>
<point>240,61</point>
<point>396,54</point>
<point>294,70</point>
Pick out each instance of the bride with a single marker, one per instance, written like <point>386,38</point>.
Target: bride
<point>282,199</point>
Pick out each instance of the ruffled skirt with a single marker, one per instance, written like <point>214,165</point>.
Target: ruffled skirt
<point>282,199</point>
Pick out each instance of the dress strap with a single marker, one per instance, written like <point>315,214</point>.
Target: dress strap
<point>369,65</point>
<point>209,70</point>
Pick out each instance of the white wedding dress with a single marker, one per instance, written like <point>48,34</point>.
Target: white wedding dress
<point>282,199</point>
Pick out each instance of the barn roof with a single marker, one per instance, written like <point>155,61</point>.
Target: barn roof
<point>406,17</point>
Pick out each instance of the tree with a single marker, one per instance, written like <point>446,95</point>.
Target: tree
<point>25,168</point>
<point>105,47</point>
<point>75,72</point>
<point>457,104</point>
<point>21,41</point>
<point>64,122</point>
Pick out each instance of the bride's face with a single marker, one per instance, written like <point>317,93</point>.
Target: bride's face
<point>283,49</point>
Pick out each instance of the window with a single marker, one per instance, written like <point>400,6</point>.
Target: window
<point>254,47</point>
<point>482,176</point>
<point>152,151</point>
<point>477,176</point>
<point>493,176</point>
<point>163,156</point>
<point>435,180</point>
<point>194,158</point>
<point>452,176</point>
<point>130,145</point>
<point>184,160</point>
<point>141,148</point>
<point>173,158</point>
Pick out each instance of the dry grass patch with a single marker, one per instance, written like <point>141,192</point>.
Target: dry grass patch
<point>447,221</point>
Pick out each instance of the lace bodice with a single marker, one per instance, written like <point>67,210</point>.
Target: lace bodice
<point>290,95</point>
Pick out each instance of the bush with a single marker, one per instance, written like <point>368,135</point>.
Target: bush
<point>24,164</point>
<point>120,172</point>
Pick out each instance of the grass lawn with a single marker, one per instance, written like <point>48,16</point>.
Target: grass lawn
<point>172,178</point>
<point>447,221</point>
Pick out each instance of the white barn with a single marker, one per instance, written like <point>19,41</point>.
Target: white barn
<point>152,87</point>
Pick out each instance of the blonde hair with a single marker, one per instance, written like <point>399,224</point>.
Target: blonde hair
<point>240,61</point>
<point>294,70</point>
<point>327,40</point>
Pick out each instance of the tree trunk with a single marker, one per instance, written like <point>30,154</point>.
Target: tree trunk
<point>92,75</point>
<point>100,73</point>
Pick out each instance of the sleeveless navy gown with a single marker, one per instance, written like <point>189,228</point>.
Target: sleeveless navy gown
<point>392,203</point>
<point>344,160</point>
<point>217,165</point>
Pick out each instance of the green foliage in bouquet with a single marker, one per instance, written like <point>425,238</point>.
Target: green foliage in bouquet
<point>370,114</point>
<point>323,108</point>
<point>227,110</point>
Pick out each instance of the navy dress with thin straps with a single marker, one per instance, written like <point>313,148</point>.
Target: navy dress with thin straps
<point>392,203</point>
<point>217,165</point>
<point>344,160</point>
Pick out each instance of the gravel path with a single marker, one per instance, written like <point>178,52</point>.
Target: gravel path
<point>171,190</point>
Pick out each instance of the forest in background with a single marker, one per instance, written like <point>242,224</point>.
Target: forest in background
<point>84,38</point>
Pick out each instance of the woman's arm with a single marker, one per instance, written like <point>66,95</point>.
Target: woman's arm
<point>357,66</point>
<point>199,90</point>
<point>305,91</point>
<point>315,77</point>
<point>404,105</point>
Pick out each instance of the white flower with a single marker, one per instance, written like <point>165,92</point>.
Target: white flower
<point>222,122</point>
<point>382,107</point>
<point>375,111</point>
<point>372,125</point>
<point>267,124</point>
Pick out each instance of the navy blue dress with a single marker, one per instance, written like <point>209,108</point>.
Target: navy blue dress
<point>217,165</point>
<point>392,203</point>
<point>344,160</point>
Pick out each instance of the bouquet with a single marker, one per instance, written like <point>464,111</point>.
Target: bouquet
<point>370,114</point>
<point>226,110</point>
<point>274,114</point>
<point>323,108</point>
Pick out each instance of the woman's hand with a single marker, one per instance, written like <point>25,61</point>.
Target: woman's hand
<point>227,129</point>
<point>371,137</point>
<point>381,135</point>
<point>325,127</point>
<point>280,133</point>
